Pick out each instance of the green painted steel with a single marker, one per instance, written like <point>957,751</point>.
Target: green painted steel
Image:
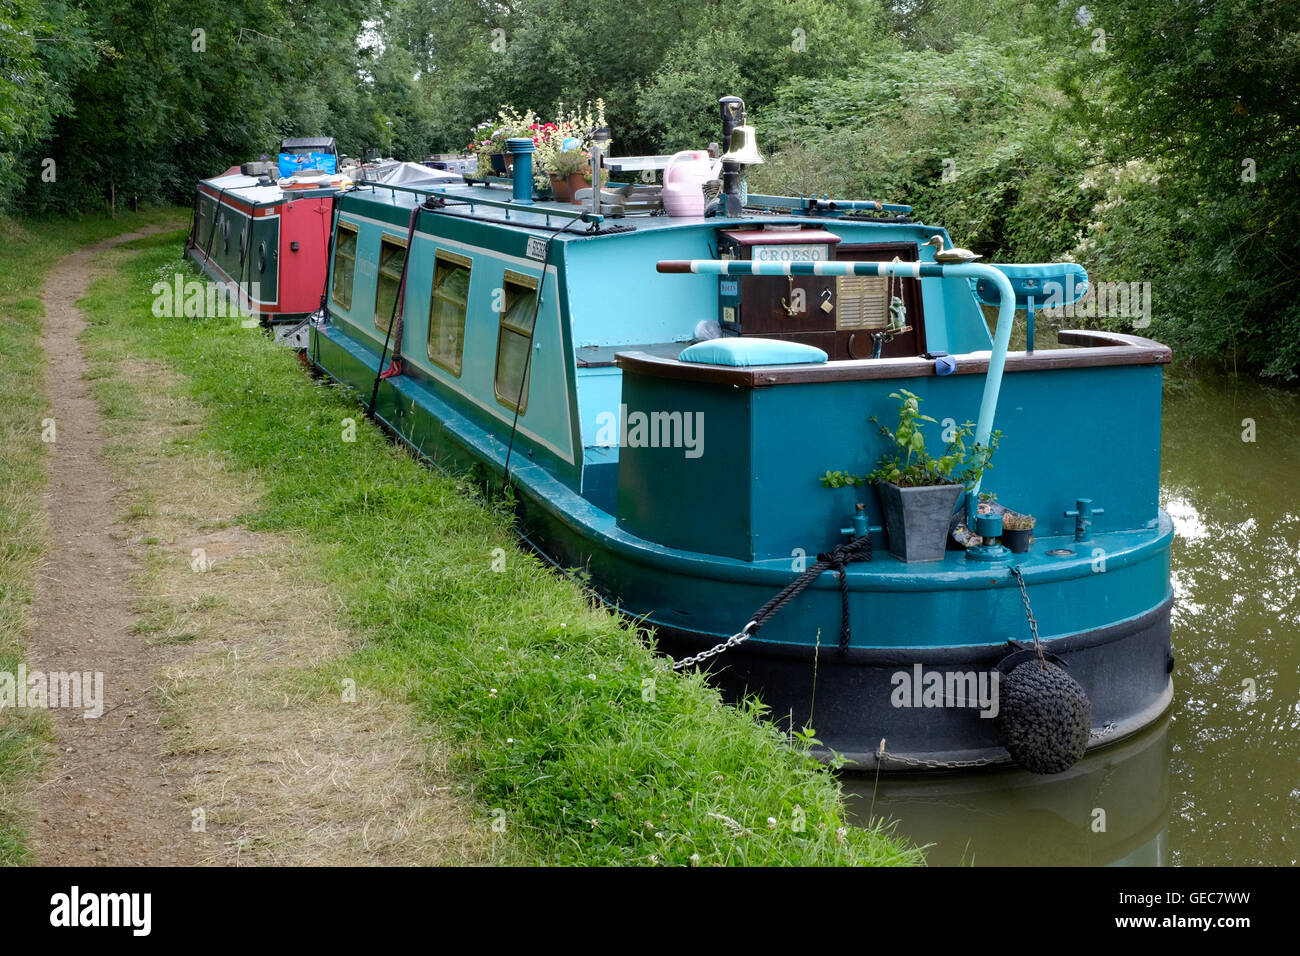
<point>230,241</point>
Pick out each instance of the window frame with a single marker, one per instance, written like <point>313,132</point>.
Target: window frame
<point>456,261</point>
<point>380,274</point>
<point>505,327</point>
<point>356,242</point>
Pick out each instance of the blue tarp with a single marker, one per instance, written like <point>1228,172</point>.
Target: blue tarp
<point>293,163</point>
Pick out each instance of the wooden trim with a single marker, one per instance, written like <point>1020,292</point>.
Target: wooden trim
<point>1099,338</point>
<point>519,279</point>
<point>333,266</point>
<point>387,239</point>
<point>1132,350</point>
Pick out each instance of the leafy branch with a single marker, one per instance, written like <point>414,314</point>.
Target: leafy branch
<point>910,463</point>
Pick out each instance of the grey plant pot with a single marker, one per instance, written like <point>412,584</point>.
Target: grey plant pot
<point>917,519</point>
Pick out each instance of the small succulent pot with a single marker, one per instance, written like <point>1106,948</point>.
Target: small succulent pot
<point>917,519</point>
<point>1017,531</point>
<point>1019,540</point>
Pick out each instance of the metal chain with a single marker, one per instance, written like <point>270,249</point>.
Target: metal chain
<point>1029,612</point>
<point>882,755</point>
<point>740,637</point>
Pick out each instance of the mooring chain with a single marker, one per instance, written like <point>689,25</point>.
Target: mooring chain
<point>740,637</point>
<point>1029,612</point>
<point>859,549</point>
<point>882,756</point>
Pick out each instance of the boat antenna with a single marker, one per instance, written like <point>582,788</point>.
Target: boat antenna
<point>528,358</point>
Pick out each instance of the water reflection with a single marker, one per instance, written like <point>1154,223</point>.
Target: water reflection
<point>1219,782</point>
<point>1236,564</point>
<point>1112,808</point>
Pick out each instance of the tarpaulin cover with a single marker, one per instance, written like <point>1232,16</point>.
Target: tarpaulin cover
<point>415,174</point>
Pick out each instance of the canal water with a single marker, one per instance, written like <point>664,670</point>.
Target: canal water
<point>1217,781</point>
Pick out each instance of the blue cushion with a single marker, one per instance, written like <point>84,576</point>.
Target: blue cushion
<point>751,351</point>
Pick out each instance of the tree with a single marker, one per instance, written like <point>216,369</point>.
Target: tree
<point>1208,94</point>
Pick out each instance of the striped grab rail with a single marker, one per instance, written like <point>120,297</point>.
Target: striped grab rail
<point>906,270</point>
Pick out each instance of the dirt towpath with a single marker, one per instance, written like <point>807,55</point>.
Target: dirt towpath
<point>107,796</point>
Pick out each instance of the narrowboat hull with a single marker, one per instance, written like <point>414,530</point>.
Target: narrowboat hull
<point>267,246</point>
<point>1103,606</point>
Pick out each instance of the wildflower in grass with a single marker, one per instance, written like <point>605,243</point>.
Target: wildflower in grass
<point>695,859</point>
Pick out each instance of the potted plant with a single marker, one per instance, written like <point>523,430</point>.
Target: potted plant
<point>489,143</point>
<point>1017,531</point>
<point>573,132</point>
<point>565,168</point>
<point>919,492</point>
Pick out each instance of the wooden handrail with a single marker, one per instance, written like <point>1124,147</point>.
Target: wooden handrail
<point>1101,349</point>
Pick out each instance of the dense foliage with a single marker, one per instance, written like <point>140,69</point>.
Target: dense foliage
<point>1153,142</point>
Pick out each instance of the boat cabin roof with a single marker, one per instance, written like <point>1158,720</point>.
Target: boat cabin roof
<point>248,189</point>
<point>484,203</point>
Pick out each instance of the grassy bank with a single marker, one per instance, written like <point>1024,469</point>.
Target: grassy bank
<point>27,252</point>
<point>572,743</point>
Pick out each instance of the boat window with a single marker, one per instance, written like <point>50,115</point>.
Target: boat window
<point>518,302</point>
<point>345,261</point>
<point>447,310</point>
<point>392,256</point>
<point>201,225</point>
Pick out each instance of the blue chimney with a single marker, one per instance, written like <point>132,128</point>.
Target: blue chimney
<point>522,149</point>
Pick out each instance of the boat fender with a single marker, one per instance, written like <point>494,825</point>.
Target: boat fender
<point>1044,715</point>
<point>945,365</point>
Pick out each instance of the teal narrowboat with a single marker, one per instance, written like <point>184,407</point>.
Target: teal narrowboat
<point>663,393</point>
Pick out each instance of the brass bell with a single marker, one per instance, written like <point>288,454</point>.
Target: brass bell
<point>743,149</point>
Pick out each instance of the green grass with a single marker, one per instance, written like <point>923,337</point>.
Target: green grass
<point>566,729</point>
<point>27,252</point>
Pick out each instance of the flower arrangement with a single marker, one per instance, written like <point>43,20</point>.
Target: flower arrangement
<point>490,137</point>
<point>572,132</point>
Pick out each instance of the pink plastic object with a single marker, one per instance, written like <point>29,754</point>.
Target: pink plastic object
<point>684,178</point>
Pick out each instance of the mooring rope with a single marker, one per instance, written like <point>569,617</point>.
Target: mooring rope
<point>859,549</point>
<point>394,321</point>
